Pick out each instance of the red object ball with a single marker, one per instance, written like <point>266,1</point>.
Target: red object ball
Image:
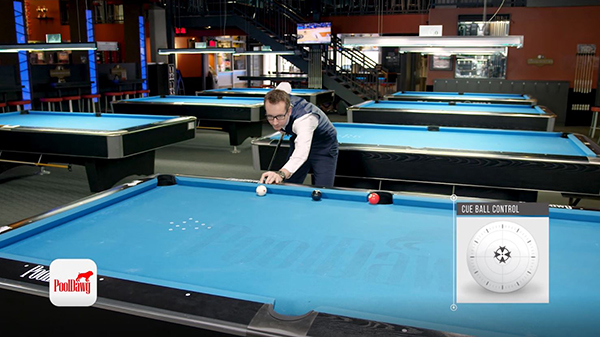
<point>373,198</point>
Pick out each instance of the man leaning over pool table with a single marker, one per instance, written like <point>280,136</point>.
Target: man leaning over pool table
<point>313,142</point>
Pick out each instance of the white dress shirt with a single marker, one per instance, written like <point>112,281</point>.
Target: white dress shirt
<point>304,127</point>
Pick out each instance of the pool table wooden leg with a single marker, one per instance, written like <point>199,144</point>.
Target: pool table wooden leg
<point>105,173</point>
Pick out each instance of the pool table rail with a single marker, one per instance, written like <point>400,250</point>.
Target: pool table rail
<point>425,113</point>
<point>386,167</point>
<point>194,309</point>
<point>439,96</point>
<point>316,96</point>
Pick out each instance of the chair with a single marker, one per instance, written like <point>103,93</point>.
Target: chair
<point>51,101</point>
<point>89,100</point>
<point>70,99</point>
<point>3,106</point>
<point>131,92</point>
<point>142,93</point>
<point>113,95</point>
<point>18,104</point>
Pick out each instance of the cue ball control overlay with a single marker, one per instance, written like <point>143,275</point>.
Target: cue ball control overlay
<point>501,252</point>
<point>502,257</point>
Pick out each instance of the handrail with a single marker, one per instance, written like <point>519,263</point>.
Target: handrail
<point>280,21</point>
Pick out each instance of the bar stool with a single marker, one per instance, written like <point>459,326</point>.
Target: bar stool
<point>594,127</point>
<point>18,104</point>
<point>70,99</point>
<point>113,94</point>
<point>51,101</point>
<point>90,100</point>
<point>143,93</point>
<point>3,106</point>
<point>127,93</point>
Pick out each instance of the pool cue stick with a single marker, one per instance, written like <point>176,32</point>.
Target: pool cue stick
<point>590,73</point>
<point>585,70</point>
<point>577,66</point>
<point>33,164</point>
<point>585,75</point>
<point>580,74</point>
<point>209,128</point>
<point>275,153</point>
<point>13,226</point>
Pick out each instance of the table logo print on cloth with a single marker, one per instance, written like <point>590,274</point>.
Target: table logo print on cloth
<point>73,282</point>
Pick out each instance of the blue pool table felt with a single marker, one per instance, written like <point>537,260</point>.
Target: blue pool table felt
<point>458,95</point>
<point>456,108</point>
<point>468,139</point>
<point>207,100</point>
<point>266,90</point>
<point>78,121</point>
<point>341,255</point>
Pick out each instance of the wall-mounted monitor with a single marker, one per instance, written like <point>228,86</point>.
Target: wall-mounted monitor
<point>314,33</point>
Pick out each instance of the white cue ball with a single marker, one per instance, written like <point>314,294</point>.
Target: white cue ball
<point>261,190</point>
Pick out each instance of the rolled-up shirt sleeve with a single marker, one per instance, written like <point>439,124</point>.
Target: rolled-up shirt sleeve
<point>304,127</point>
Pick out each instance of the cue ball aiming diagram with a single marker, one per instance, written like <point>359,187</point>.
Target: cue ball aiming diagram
<point>502,257</point>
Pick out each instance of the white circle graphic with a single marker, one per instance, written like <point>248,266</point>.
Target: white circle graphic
<point>502,257</point>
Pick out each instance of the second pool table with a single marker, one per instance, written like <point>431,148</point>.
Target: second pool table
<point>209,254</point>
<point>241,117</point>
<point>315,96</point>
<point>508,164</point>
<point>110,146</point>
<point>495,116</point>
<point>462,97</point>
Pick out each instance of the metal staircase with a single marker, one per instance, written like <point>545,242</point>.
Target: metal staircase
<point>351,74</point>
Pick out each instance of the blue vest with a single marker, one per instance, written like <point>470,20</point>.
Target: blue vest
<point>325,136</point>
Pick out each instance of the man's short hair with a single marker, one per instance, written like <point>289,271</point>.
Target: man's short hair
<point>275,96</point>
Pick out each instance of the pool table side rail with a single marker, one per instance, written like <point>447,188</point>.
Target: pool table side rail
<point>570,174</point>
<point>544,111</point>
<point>480,119</point>
<point>527,99</point>
<point>221,112</point>
<point>317,97</point>
<point>105,133</point>
<point>258,94</point>
<point>93,144</point>
<point>206,311</point>
<point>590,145</point>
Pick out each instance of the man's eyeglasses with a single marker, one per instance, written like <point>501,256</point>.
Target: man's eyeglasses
<point>278,117</point>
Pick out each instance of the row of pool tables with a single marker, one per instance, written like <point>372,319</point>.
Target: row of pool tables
<point>243,117</point>
<point>201,253</point>
<point>505,164</point>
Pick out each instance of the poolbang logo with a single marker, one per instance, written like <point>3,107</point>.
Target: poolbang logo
<point>73,282</point>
